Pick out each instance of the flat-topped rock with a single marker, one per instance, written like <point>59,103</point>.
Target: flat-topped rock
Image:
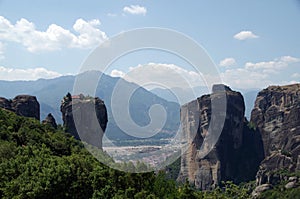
<point>86,128</point>
<point>23,105</point>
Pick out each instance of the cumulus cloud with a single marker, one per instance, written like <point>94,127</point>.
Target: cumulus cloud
<point>159,74</point>
<point>289,59</point>
<point>117,73</point>
<point>243,78</point>
<point>87,35</point>
<point>227,62</point>
<point>26,74</point>
<point>260,74</point>
<point>250,75</point>
<point>135,10</point>
<point>274,65</point>
<point>243,35</point>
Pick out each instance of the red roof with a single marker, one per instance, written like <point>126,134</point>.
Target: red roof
<point>75,97</point>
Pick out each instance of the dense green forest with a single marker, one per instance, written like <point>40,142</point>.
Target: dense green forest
<point>38,161</point>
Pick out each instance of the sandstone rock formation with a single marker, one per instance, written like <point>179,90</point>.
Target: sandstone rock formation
<point>78,118</point>
<point>23,105</point>
<point>276,115</point>
<point>50,120</point>
<point>238,151</point>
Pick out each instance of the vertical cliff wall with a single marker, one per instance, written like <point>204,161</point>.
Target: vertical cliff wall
<point>237,153</point>
<point>276,115</point>
<point>83,108</point>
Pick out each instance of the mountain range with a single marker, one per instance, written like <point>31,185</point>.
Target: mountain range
<point>50,92</point>
<point>185,95</point>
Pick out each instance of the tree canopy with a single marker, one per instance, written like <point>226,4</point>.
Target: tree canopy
<point>38,161</point>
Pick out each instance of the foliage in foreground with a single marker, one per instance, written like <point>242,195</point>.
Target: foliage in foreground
<point>37,161</point>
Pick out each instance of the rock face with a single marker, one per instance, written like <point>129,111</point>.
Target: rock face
<point>5,103</point>
<point>50,120</point>
<point>23,105</point>
<point>259,189</point>
<point>80,109</point>
<point>238,151</point>
<point>276,115</point>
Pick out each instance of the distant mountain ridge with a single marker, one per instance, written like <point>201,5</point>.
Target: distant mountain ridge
<point>185,95</point>
<point>50,92</point>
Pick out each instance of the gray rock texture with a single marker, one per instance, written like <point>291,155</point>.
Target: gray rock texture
<point>276,115</point>
<point>23,105</point>
<point>238,151</point>
<point>259,189</point>
<point>86,126</point>
<point>50,120</point>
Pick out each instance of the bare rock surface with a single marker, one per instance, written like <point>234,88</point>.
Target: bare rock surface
<point>259,189</point>
<point>86,123</point>
<point>238,151</point>
<point>276,115</point>
<point>23,105</point>
<point>50,120</point>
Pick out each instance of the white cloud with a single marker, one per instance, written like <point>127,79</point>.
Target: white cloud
<point>166,75</point>
<point>289,82</point>
<point>265,65</point>
<point>289,59</point>
<point>88,35</point>
<point>296,75</point>
<point>249,76</point>
<point>243,78</point>
<point>117,73</point>
<point>2,48</point>
<point>243,35</point>
<point>227,62</point>
<point>260,74</point>
<point>135,10</point>
<point>274,65</point>
<point>26,74</point>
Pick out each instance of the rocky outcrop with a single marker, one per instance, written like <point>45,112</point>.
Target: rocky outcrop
<point>50,120</point>
<point>292,182</point>
<point>276,115</point>
<point>259,189</point>
<point>78,118</point>
<point>238,151</point>
<point>23,105</point>
<point>5,103</point>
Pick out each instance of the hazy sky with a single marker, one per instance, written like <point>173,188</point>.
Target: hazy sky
<point>253,43</point>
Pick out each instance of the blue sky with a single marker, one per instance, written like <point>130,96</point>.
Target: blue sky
<point>253,43</point>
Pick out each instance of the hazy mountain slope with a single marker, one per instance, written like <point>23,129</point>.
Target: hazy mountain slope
<point>53,91</point>
<point>180,95</point>
<point>46,109</point>
<point>9,89</point>
<point>50,92</point>
<point>187,95</point>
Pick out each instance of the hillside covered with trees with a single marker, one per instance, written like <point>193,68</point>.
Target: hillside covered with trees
<point>38,161</point>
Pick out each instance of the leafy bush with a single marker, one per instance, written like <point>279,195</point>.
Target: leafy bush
<point>252,126</point>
